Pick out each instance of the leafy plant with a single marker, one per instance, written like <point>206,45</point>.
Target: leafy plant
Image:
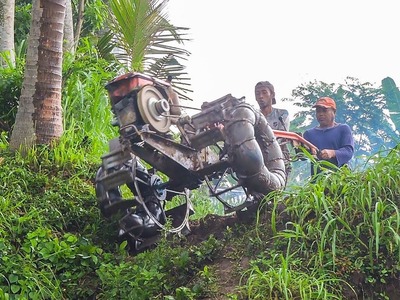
<point>346,214</point>
<point>147,41</point>
<point>392,95</point>
<point>10,89</point>
<point>281,278</point>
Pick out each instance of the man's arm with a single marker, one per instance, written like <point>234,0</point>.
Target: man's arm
<point>337,144</point>
<point>346,150</point>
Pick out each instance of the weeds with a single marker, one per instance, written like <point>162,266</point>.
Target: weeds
<point>281,277</point>
<point>347,214</point>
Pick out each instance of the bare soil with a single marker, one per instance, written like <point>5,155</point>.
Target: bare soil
<point>225,268</point>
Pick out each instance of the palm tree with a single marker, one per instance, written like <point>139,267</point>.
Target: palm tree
<point>39,115</point>
<point>7,8</point>
<point>148,41</point>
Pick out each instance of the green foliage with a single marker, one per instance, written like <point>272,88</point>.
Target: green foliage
<point>280,277</point>
<point>95,17</point>
<point>163,272</point>
<point>37,187</point>
<point>149,42</point>
<point>43,215</point>
<point>140,29</point>
<point>87,111</point>
<point>203,205</point>
<point>10,89</point>
<point>71,257</point>
<point>22,21</point>
<point>87,114</point>
<point>344,215</point>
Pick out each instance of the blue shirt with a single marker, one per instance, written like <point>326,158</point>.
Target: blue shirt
<point>338,138</point>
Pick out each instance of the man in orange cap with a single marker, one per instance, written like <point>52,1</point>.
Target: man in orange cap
<point>334,140</point>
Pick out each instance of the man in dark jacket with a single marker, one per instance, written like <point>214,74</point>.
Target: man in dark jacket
<point>334,140</point>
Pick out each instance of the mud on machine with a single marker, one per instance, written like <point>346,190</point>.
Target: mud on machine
<point>227,140</point>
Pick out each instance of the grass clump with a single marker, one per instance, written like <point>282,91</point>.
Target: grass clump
<point>54,244</point>
<point>46,222</point>
<point>340,237</point>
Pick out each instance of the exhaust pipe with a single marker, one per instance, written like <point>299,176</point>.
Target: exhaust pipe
<point>254,152</point>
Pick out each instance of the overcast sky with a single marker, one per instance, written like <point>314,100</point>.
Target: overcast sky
<point>236,43</point>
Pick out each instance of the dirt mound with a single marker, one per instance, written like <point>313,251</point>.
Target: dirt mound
<point>215,225</point>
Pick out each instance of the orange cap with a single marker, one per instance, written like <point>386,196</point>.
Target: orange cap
<point>325,102</point>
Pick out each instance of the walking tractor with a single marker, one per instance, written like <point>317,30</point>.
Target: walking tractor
<point>228,145</point>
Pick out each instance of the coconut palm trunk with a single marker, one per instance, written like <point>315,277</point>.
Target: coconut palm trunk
<point>7,8</point>
<point>39,115</point>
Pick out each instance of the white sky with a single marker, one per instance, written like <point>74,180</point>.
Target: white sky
<point>236,43</point>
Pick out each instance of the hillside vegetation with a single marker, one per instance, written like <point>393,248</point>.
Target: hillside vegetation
<point>336,238</point>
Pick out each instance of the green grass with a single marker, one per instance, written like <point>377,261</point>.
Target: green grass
<point>280,277</point>
<point>347,222</point>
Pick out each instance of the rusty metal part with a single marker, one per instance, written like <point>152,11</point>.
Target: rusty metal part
<point>122,85</point>
<point>223,185</point>
<point>295,137</point>
<point>143,215</point>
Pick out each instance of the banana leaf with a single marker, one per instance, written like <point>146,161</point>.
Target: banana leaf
<point>392,95</point>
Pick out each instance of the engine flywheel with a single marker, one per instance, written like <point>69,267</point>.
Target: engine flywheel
<point>154,109</point>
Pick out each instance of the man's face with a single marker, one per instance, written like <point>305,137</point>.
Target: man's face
<point>263,97</point>
<point>325,116</point>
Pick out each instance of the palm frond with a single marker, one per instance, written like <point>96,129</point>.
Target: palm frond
<point>148,42</point>
<point>169,66</point>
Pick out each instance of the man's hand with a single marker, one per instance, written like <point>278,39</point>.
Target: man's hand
<point>327,154</point>
<point>296,144</point>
